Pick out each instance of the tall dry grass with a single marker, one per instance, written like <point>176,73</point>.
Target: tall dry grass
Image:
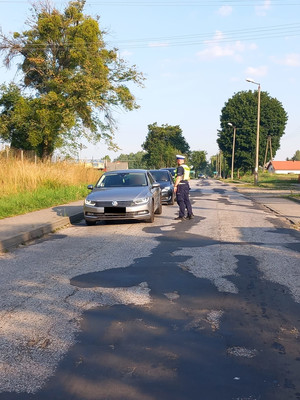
<point>24,176</point>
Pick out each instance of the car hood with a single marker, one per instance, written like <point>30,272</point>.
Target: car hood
<point>118,193</point>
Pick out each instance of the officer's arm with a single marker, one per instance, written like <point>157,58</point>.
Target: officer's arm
<point>177,180</point>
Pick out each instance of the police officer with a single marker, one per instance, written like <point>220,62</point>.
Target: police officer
<point>181,188</point>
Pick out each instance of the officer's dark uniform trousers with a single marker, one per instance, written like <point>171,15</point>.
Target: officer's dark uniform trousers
<point>183,199</point>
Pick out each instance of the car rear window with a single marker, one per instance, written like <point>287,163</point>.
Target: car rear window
<point>160,176</point>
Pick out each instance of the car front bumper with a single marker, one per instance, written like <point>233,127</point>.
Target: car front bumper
<point>92,213</point>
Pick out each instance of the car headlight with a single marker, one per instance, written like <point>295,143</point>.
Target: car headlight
<point>141,200</point>
<point>89,202</point>
<point>166,189</point>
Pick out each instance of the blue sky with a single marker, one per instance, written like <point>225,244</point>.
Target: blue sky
<point>195,55</point>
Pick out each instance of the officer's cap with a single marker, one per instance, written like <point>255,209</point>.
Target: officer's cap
<point>180,157</point>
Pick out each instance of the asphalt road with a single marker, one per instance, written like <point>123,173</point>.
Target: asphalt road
<point>206,309</point>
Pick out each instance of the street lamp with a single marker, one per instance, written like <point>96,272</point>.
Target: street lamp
<point>257,131</point>
<point>233,145</point>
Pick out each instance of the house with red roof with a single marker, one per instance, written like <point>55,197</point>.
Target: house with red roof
<point>284,167</point>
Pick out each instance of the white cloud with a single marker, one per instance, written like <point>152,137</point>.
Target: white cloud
<point>225,11</point>
<point>262,10</point>
<point>253,46</point>
<point>257,72</point>
<point>125,54</point>
<point>290,60</point>
<point>216,49</point>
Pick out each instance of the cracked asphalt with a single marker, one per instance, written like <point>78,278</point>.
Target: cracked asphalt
<point>203,309</point>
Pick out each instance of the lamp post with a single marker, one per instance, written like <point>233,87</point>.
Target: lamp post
<point>233,146</point>
<point>257,131</point>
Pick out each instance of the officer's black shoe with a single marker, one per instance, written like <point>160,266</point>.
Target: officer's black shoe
<point>180,219</point>
<point>192,216</point>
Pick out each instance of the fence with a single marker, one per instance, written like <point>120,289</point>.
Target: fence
<point>18,154</point>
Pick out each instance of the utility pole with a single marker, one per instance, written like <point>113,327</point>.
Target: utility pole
<point>233,146</point>
<point>269,145</point>
<point>257,130</point>
<point>220,163</point>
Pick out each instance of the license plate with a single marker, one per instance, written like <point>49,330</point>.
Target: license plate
<point>115,210</point>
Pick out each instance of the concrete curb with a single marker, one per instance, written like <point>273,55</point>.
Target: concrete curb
<point>284,207</point>
<point>38,232</point>
<point>278,213</point>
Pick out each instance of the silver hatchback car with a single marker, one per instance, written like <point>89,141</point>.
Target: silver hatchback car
<point>123,194</point>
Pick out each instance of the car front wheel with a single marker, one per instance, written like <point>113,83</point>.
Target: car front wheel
<point>159,208</point>
<point>172,201</point>
<point>151,217</point>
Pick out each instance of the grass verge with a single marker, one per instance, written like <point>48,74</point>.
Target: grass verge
<point>268,181</point>
<point>273,182</point>
<point>43,197</point>
<point>26,186</point>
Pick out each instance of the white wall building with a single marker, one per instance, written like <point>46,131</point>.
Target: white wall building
<point>284,167</point>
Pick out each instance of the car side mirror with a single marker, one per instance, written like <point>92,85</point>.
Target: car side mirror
<point>156,185</point>
<point>90,187</point>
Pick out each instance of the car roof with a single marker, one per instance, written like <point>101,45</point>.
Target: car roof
<point>161,169</point>
<point>125,171</point>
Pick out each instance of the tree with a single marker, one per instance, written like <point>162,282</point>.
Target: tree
<point>198,160</point>
<point>15,116</point>
<point>212,168</point>
<point>135,160</point>
<point>241,111</point>
<point>296,156</point>
<point>162,144</point>
<point>74,81</point>
<point>107,158</point>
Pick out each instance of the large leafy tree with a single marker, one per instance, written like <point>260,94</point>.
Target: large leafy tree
<point>74,81</point>
<point>241,111</point>
<point>161,145</point>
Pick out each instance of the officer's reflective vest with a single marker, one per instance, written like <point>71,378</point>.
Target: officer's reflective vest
<point>186,176</point>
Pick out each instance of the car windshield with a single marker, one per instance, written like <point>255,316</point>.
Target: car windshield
<point>160,176</point>
<point>122,180</point>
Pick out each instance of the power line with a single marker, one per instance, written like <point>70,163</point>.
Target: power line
<point>210,3</point>
<point>224,37</point>
<point>206,39</point>
<point>295,25</point>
